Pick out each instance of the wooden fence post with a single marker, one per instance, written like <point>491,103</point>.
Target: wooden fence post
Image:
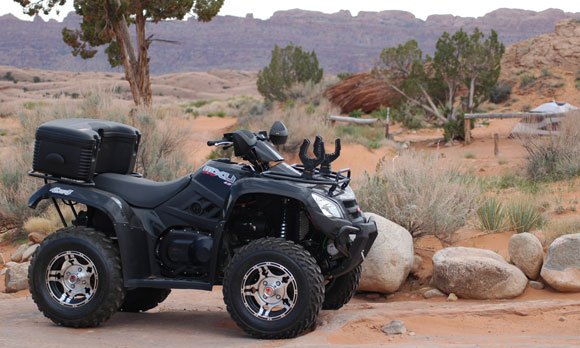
<point>496,144</point>
<point>467,130</point>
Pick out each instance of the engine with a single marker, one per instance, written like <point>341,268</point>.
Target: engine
<point>184,252</point>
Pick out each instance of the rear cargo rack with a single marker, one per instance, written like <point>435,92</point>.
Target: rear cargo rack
<point>48,177</point>
<point>69,203</point>
<point>337,179</point>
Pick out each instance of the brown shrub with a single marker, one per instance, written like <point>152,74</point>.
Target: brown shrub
<point>419,192</point>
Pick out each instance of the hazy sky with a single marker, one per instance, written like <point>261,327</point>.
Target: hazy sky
<point>421,9</point>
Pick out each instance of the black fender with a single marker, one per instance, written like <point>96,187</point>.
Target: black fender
<point>329,226</point>
<point>128,228</point>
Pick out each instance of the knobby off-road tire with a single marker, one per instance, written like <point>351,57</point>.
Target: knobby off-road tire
<point>143,299</point>
<point>273,288</point>
<point>75,277</point>
<point>341,290</point>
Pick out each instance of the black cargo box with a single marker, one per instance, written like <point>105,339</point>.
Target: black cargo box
<point>79,148</point>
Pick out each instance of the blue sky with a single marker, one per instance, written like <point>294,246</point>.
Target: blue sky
<point>421,9</point>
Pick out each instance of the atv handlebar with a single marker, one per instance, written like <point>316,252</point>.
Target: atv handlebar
<point>219,143</point>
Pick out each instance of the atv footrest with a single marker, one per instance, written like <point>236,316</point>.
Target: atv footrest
<point>168,283</point>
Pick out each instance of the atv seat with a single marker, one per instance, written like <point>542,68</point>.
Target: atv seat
<point>140,192</point>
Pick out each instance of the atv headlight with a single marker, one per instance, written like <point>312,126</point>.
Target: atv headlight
<point>329,207</point>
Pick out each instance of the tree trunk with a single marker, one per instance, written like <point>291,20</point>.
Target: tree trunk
<point>470,107</point>
<point>136,65</point>
<point>143,78</point>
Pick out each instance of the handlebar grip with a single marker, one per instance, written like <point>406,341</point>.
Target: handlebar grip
<point>212,142</point>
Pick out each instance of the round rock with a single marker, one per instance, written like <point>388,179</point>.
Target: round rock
<point>476,274</point>
<point>526,253</point>
<point>390,259</point>
<point>562,267</point>
<point>395,327</point>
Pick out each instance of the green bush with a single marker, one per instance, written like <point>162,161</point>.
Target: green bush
<point>491,215</point>
<point>36,79</point>
<point>356,113</point>
<point>523,216</point>
<point>288,66</point>
<point>527,80</point>
<point>500,93</point>
<point>411,117</point>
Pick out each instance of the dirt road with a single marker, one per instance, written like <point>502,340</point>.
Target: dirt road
<point>199,319</point>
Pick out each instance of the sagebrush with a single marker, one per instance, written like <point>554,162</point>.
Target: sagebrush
<point>421,193</point>
<point>557,156</point>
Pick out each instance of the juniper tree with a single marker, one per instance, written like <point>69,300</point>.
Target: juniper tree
<point>288,66</point>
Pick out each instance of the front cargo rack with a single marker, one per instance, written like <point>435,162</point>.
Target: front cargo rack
<point>337,179</point>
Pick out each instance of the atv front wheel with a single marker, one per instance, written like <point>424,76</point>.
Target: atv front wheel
<point>143,299</point>
<point>341,290</point>
<point>273,288</point>
<point>75,277</point>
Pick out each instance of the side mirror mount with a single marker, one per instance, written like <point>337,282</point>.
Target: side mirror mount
<point>278,133</point>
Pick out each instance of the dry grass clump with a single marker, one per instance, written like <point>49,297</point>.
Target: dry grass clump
<point>560,227</point>
<point>421,193</point>
<point>555,157</point>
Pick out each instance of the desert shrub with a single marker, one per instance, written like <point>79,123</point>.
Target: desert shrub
<point>369,136</point>
<point>558,156</point>
<point>380,113</point>
<point>527,80</point>
<point>500,93</point>
<point>491,215</point>
<point>560,227</point>
<point>420,193</point>
<point>410,116</point>
<point>288,66</point>
<point>9,77</point>
<point>15,189</point>
<point>343,75</point>
<point>36,79</point>
<point>356,113</point>
<point>523,216</point>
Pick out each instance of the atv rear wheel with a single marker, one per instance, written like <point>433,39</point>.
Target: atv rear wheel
<point>341,290</point>
<point>143,299</point>
<point>273,288</point>
<point>75,277</point>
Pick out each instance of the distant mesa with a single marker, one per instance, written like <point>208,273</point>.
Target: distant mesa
<point>343,42</point>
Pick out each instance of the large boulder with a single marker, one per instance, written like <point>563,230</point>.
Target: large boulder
<point>526,253</point>
<point>477,274</point>
<point>562,267</point>
<point>390,259</point>
<point>17,277</point>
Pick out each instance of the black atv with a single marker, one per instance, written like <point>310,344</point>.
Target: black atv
<point>284,241</point>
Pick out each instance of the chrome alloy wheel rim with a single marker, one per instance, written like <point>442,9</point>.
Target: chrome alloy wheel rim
<point>72,279</point>
<point>269,291</point>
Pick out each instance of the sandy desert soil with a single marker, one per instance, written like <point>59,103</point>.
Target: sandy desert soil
<point>199,319</point>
